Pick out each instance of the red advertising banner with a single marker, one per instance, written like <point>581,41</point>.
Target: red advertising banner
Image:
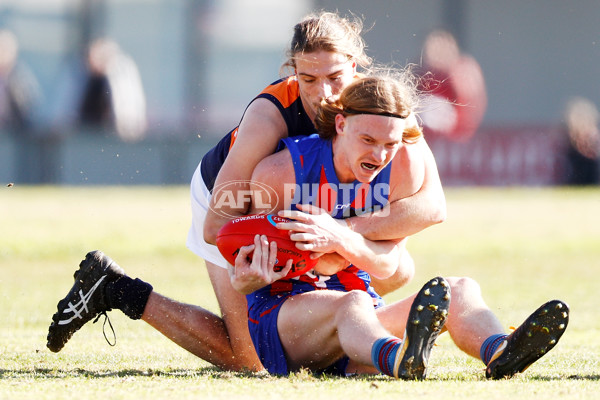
<point>503,156</point>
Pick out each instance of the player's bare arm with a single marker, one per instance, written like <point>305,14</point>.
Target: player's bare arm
<point>315,230</point>
<point>408,172</point>
<point>259,133</point>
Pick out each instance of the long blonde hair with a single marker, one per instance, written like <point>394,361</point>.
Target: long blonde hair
<point>392,94</point>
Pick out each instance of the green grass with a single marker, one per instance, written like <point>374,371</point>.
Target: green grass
<point>524,246</point>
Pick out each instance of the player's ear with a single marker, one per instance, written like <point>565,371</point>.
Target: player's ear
<point>340,124</point>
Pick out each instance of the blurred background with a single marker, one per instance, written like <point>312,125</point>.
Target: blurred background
<point>136,91</point>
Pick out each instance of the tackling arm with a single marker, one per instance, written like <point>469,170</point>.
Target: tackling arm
<point>315,230</point>
<point>259,133</point>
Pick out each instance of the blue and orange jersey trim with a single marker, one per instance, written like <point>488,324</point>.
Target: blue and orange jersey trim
<point>285,90</point>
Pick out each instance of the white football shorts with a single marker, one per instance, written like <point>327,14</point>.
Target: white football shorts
<point>200,197</point>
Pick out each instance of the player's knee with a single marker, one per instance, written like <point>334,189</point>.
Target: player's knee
<point>463,288</point>
<point>354,299</point>
<point>357,297</point>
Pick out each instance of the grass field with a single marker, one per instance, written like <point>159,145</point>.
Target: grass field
<point>524,246</point>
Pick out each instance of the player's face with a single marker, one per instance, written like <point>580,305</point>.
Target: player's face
<point>365,144</point>
<point>322,75</point>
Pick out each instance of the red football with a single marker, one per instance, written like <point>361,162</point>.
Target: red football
<point>241,231</point>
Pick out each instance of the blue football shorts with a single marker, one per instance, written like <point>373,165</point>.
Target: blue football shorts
<point>262,323</point>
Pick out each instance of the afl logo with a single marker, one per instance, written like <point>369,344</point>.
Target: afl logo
<point>236,195</point>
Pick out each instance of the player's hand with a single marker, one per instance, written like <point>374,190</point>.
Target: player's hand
<point>313,229</point>
<point>248,275</point>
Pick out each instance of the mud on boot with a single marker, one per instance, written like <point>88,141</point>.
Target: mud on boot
<point>426,318</point>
